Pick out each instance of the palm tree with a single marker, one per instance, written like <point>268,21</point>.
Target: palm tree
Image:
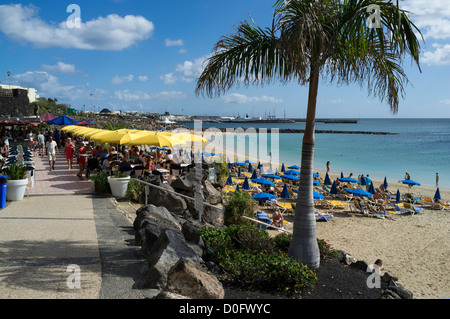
<point>308,40</point>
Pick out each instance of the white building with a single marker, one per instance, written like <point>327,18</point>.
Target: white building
<point>32,96</point>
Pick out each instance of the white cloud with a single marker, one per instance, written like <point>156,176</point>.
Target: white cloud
<point>191,70</point>
<point>431,17</point>
<point>22,24</point>
<point>122,79</point>
<point>168,78</point>
<point>337,101</point>
<point>60,68</point>
<point>445,101</point>
<point>48,85</point>
<point>129,96</point>
<point>433,20</point>
<point>171,43</point>
<point>440,56</point>
<point>238,98</point>
<point>143,78</point>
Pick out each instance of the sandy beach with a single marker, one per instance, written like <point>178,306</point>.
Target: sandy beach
<point>414,248</point>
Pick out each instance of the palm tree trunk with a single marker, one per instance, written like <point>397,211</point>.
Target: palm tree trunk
<point>304,245</point>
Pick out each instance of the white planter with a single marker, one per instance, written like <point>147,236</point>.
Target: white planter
<point>119,186</point>
<point>15,189</point>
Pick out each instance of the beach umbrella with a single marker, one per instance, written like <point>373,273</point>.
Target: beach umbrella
<point>316,183</point>
<point>290,177</point>
<point>292,172</point>
<point>385,183</point>
<point>437,195</point>
<point>285,192</point>
<point>397,197</point>
<point>259,165</point>
<point>237,188</point>
<point>316,175</point>
<point>294,167</point>
<point>327,180</point>
<point>371,189</point>
<point>282,168</point>
<point>271,176</point>
<point>229,180</point>
<point>263,181</point>
<point>342,175</point>
<point>358,191</point>
<point>410,182</point>
<point>249,162</point>
<point>187,137</point>
<point>254,175</point>
<point>347,180</point>
<point>317,195</point>
<point>333,189</point>
<point>239,164</point>
<point>150,138</point>
<point>246,185</point>
<point>263,196</point>
<point>250,167</point>
<point>261,169</point>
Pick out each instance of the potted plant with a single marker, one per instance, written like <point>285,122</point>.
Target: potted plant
<point>17,181</point>
<point>118,183</point>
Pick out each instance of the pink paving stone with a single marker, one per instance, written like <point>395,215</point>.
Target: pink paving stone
<point>60,180</point>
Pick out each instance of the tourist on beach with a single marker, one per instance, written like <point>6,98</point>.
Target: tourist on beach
<point>407,176</point>
<point>437,180</point>
<point>69,152</point>
<point>81,160</point>
<point>277,219</point>
<point>41,143</point>
<point>52,150</point>
<point>328,166</point>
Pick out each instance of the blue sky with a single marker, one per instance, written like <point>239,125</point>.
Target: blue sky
<point>147,55</point>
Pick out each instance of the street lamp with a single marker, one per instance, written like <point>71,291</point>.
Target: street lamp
<point>9,78</point>
<point>91,101</point>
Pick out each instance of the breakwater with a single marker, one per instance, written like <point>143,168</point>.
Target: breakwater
<point>291,131</point>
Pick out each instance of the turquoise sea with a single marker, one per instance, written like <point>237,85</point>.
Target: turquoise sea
<point>422,148</point>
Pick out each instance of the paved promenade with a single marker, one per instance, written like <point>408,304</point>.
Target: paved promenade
<point>65,242</point>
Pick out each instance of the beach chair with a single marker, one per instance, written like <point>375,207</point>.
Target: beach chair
<point>324,203</point>
<point>355,205</point>
<point>412,209</point>
<point>263,217</point>
<point>373,212</point>
<point>444,205</point>
<point>322,217</point>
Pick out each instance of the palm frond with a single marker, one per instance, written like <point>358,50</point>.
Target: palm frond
<point>250,56</point>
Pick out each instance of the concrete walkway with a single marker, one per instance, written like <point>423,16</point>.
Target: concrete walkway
<point>65,242</point>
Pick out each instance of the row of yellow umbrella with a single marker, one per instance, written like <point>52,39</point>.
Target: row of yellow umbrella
<point>135,137</point>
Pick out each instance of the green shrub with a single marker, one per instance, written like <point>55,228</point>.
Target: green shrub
<point>249,257</point>
<point>101,184</point>
<point>135,192</point>
<point>16,171</point>
<point>326,251</point>
<point>239,204</point>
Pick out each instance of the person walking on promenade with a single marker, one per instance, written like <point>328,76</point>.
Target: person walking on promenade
<point>81,159</point>
<point>52,150</point>
<point>41,143</point>
<point>69,152</point>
